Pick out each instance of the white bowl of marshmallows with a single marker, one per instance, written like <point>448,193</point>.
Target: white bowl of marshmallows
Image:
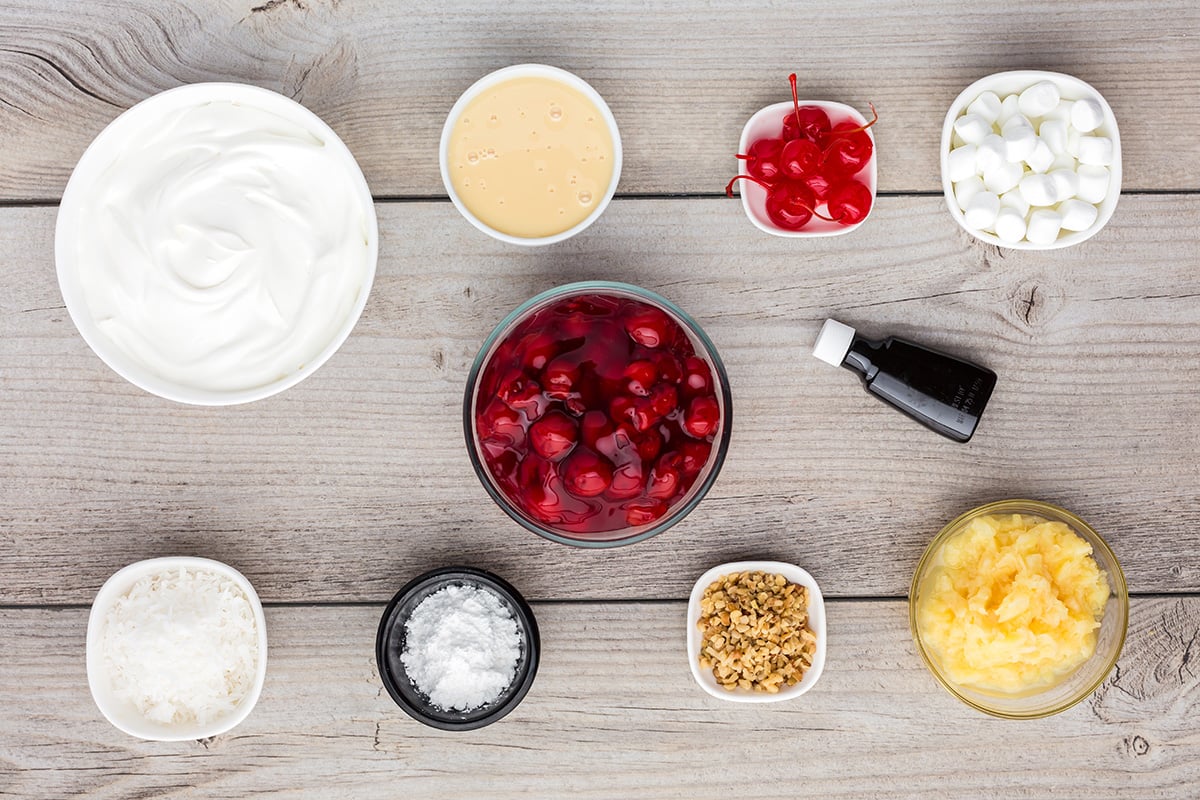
<point>1031,160</point>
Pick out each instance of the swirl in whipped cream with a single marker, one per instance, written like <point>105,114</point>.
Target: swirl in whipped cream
<point>225,246</point>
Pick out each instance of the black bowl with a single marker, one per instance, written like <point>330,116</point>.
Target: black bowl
<point>389,644</point>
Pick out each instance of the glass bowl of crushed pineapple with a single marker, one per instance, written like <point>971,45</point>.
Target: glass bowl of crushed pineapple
<point>1019,609</point>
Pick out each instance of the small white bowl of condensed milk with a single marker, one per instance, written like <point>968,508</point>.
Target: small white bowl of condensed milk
<point>530,154</point>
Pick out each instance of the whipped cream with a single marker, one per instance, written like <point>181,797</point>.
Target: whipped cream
<point>223,245</point>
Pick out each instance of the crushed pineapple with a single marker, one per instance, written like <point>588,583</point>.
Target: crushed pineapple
<point>1012,604</point>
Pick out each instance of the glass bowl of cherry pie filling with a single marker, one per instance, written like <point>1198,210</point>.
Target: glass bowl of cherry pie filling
<point>597,414</point>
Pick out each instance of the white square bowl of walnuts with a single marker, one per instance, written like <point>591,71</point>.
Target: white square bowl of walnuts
<point>756,631</point>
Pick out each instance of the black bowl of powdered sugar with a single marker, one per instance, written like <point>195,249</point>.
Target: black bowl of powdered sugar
<point>457,648</point>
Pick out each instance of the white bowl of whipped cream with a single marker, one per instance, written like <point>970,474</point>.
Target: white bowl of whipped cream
<point>216,244</point>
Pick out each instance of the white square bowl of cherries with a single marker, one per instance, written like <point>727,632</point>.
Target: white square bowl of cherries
<point>807,168</point>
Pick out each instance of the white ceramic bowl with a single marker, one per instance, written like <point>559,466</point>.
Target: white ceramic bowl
<point>768,123</point>
<point>124,715</point>
<point>1014,82</point>
<point>529,71</point>
<point>96,160</point>
<point>816,623</point>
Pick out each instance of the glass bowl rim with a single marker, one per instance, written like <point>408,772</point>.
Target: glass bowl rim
<point>1117,585</point>
<point>720,446</point>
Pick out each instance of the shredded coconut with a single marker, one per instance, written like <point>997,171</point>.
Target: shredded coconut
<point>182,646</point>
<point>461,647</point>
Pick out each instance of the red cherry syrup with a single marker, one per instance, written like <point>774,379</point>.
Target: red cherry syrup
<point>596,414</point>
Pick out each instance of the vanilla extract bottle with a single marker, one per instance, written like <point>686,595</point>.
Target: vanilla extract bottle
<point>943,393</point>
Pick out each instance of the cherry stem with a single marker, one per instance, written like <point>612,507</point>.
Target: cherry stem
<point>742,156</point>
<point>859,129</point>
<point>795,98</point>
<point>816,213</point>
<point>769,187</point>
<point>829,147</point>
<point>751,178</point>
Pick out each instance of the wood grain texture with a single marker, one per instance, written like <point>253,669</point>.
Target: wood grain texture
<point>356,480</point>
<point>876,725</point>
<point>344,487</point>
<point>681,78</point>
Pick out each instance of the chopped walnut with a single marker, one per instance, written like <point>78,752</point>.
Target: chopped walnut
<point>754,632</point>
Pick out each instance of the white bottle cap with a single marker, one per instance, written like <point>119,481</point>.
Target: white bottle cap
<point>833,342</point>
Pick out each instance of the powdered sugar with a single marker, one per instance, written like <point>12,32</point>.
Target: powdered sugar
<point>461,648</point>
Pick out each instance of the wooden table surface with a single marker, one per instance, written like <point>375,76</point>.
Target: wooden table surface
<point>334,493</point>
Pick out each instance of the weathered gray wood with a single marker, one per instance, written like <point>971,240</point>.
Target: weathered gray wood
<point>347,485</point>
<point>682,79</point>
<point>613,713</point>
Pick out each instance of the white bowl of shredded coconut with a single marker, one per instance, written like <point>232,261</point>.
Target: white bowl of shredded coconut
<point>176,648</point>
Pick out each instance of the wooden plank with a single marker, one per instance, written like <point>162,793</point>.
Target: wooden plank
<point>347,485</point>
<point>681,80</point>
<point>613,713</point>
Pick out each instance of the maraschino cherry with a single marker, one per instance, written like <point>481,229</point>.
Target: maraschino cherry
<point>850,202</point>
<point>806,122</point>
<point>850,147</point>
<point>800,158</point>
<point>762,158</point>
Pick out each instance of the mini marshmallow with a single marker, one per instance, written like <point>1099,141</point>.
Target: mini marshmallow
<point>1041,158</point>
<point>1010,224</point>
<point>981,212</point>
<point>960,163</point>
<point>1014,123</point>
<point>964,190</point>
<point>1013,199</point>
<point>1004,177</point>
<point>1086,115</point>
<point>1054,133</point>
<point>1009,108</point>
<point>1063,161</point>
<point>1039,99</point>
<point>1019,145</point>
<point>1038,190</point>
<point>1095,150</point>
<point>1066,184</point>
<point>1073,137</point>
<point>987,105</point>
<point>991,153</point>
<point>972,128</point>
<point>1093,183</point>
<point>1076,215</point>
<point>1061,112</point>
<point>1044,226</point>
<point>1019,138</point>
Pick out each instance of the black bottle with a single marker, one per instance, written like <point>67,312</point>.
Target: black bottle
<point>944,393</point>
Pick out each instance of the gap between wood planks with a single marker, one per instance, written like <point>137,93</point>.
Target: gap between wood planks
<point>441,198</point>
<point>574,601</point>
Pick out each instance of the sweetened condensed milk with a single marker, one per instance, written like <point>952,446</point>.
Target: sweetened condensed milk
<point>531,157</point>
